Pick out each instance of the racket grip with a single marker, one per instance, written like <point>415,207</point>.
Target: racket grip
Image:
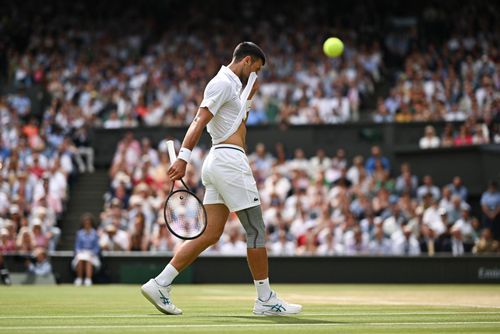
<point>171,151</point>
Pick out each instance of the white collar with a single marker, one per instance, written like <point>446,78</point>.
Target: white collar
<point>226,70</point>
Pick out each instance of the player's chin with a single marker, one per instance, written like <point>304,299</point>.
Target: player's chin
<point>245,77</point>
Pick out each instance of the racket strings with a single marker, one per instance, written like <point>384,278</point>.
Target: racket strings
<point>185,214</point>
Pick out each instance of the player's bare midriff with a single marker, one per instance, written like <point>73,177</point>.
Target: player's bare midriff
<point>238,138</point>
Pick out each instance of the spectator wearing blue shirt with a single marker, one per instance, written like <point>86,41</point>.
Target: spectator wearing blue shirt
<point>41,266</point>
<point>457,188</point>
<point>428,187</point>
<point>377,155</point>
<point>86,258</point>
<point>490,205</point>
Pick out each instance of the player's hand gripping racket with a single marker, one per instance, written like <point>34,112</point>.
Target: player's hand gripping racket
<point>184,213</point>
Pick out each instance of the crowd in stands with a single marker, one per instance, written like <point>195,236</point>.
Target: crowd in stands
<point>453,80</point>
<point>127,71</point>
<point>467,133</point>
<point>132,70</point>
<point>114,70</point>
<point>312,206</point>
<point>37,164</point>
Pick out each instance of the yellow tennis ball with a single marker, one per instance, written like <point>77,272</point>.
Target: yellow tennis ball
<point>333,47</point>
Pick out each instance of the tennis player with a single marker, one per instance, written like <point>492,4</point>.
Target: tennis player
<point>227,176</point>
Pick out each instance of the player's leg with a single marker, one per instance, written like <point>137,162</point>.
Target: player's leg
<point>267,302</point>
<point>89,271</point>
<point>257,262</point>
<point>157,290</point>
<point>217,215</point>
<point>234,182</point>
<point>79,273</point>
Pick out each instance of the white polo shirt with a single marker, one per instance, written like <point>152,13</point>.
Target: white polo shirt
<point>222,98</point>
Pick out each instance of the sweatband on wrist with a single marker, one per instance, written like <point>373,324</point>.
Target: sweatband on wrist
<point>248,106</point>
<point>184,154</point>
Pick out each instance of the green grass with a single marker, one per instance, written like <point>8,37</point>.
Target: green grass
<point>227,309</point>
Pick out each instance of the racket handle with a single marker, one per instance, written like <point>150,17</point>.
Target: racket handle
<point>171,151</point>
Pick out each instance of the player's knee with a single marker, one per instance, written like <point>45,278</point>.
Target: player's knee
<point>252,222</point>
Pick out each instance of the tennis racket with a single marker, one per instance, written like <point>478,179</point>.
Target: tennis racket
<point>183,211</point>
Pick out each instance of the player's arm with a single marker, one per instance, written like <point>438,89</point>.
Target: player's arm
<point>193,134</point>
<point>255,87</point>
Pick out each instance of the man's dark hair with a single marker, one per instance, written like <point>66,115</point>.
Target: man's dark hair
<point>248,49</point>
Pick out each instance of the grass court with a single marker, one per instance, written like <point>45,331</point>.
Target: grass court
<point>328,308</point>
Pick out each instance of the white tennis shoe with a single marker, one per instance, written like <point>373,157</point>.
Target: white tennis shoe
<point>275,306</point>
<point>159,296</point>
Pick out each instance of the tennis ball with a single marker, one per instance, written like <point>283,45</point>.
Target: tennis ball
<point>333,47</point>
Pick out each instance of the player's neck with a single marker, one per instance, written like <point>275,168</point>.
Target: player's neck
<point>237,69</point>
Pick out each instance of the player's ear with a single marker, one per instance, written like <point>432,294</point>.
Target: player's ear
<point>248,60</point>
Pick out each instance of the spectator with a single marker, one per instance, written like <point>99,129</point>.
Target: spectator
<point>8,241</point>
<point>356,243</point>
<point>405,243</point>
<point>163,241</point>
<point>448,138</point>
<point>86,260</point>
<point>463,235</point>
<point>283,246</point>
<point>376,155</point>
<point>4,272</point>
<point>486,244</point>
<point>262,161</point>
<point>383,114</point>
<point>406,182</point>
<point>428,188</point>
<point>114,239</point>
<point>25,243</point>
<point>355,171</point>
<point>84,149</point>
<point>380,245</point>
<point>457,188</point>
<point>430,140</point>
<point>490,205</point>
<point>234,245</point>
<point>40,265</point>
<point>139,235</point>
<point>434,227</point>
<point>464,137</point>
<point>40,240</point>
<point>320,162</point>
<point>455,208</point>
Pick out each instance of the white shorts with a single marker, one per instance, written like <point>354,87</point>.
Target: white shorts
<point>228,178</point>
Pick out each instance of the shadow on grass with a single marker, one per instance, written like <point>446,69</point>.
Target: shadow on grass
<point>283,320</point>
<point>256,319</point>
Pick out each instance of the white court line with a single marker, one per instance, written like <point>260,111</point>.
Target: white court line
<point>365,324</point>
<point>402,303</point>
<point>97,316</point>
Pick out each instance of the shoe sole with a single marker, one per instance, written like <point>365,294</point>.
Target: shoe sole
<point>145,294</point>
<point>281,314</point>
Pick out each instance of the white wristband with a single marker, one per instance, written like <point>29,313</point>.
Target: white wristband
<point>248,105</point>
<point>184,154</point>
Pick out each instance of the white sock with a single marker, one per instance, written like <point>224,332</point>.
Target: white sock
<point>167,276</point>
<point>263,289</point>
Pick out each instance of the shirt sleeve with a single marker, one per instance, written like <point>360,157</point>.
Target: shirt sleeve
<point>78,242</point>
<point>216,94</point>
<point>483,199</point>
<point>95,244</point>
